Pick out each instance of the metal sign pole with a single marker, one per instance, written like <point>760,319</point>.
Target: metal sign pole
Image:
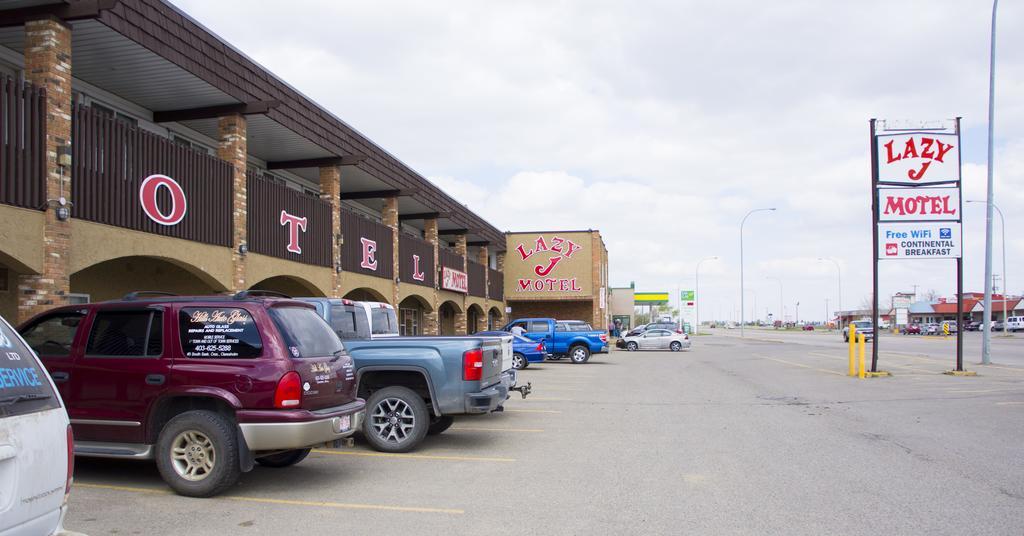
<point>960,262</point>
<point>874,248</point>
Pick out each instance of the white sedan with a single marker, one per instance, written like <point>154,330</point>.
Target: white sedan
<point>657,339</point>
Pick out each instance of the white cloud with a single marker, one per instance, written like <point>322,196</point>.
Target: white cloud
<point>661,123</point>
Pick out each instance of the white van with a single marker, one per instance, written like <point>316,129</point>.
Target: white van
<point>36,460</point>
<point>382,318</point>
<point>1015,323</point>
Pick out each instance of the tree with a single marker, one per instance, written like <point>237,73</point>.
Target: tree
<point>931,295</point>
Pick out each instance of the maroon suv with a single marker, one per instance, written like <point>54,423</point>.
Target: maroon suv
<point>204,385</point>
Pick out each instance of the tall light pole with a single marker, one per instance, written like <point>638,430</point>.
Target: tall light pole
<point>742,222</point>
<point>839,278</point>
<point>986,340</point>
<point>782,307</point>
<point>696,291</point>
<point>1002,226</point>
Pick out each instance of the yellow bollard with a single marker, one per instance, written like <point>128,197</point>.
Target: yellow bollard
<point>863,343</point>
<point>853,345</point>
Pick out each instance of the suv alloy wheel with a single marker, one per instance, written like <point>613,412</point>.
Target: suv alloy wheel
<point>197,453</point>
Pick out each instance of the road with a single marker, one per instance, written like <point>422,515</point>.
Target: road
<point>734,437</point>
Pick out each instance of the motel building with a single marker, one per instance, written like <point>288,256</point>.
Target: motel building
<point>139,151</point>
<point>557,274</point>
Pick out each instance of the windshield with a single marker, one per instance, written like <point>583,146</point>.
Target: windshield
<point>349,322</point>
<point>305,333</point>
<point>383,321</point>
<point>862,324</point>
<point>24,387</point>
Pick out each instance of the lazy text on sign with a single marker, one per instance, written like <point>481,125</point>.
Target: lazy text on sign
<point>918,158</point>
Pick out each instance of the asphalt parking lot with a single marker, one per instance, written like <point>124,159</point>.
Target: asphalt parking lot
<point>759,436</point>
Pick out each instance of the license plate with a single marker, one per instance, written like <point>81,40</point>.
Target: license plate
<point>344,423</point>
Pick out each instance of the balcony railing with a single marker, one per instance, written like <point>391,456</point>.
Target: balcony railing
<point>496,284</point>
<point>188,193</point>
<point>286,223</point>
<point>22,144</point>
<point>477,279</point>
<point>416,261</point>
<point>368,246</point>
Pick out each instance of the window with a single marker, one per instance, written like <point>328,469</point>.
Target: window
<point>349,322</point>
<point>305,333</point>
<point>537,326</point>
<point>223,333</point>
<point>53,335</point>
<point>560,326</point>
<point>658,333</point>
<point>383,321</point>
<point>110,112</point>
<point>126,334</point>
<point>410,322</point>
<point>23,385</point>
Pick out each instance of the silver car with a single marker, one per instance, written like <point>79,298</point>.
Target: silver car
<point>658,339</point>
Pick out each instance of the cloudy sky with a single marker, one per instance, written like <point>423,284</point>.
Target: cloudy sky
<point>662,123</point>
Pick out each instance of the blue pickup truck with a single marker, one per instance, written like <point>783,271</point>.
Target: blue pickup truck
<point>414,386</point>
<point>564,338</point>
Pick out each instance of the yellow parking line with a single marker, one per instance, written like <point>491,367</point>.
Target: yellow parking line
<point>475,429</point>
<point>288,502</point>
<point>801,365</point>
<point>411,456</point>
<point>531,411</point>
<point>350,506</point>
<point>892,365</point>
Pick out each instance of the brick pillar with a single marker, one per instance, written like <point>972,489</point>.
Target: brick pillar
<point>232,132</point>
<point>500,261</point>
<point>389,216</point>
<point>48,65</point>
<point>483,256</point>
<point>599,322</point>
<point>460,318</point>
<point>431,325</point>
<point>330,191</point>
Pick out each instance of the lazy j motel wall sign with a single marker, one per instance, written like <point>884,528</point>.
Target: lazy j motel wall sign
<point>550,264</point>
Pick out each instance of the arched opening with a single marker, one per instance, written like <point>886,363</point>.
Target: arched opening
<point>10,269</point>
<point>112,279</point>
<point>475,319</point>
<point>411,315</point>
<point>446,318</point>
<point>366,294</point>
<point>290,285</point>
<point>495,320</point>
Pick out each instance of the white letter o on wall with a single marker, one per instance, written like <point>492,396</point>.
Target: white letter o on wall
<point>147,198</point>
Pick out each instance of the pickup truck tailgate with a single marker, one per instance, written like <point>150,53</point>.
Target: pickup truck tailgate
<point>494,359</point>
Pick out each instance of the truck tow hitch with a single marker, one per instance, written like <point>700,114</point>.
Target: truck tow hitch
<point>524,389</point>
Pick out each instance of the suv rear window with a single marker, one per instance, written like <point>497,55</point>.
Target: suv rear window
<point>218,332</point>
<point>349,322</point>
<point>305,333</point>
<point>24,387</point>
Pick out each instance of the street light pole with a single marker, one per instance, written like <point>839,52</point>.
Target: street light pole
<point>986,341</point>
<point>839,278</point>
<point>1002,228</point>
<point>742,222</point>
<point>696,291</point>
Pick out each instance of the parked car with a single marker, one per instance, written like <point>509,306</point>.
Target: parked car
<point>808,327</point>
<point>997,325</point>
<point>658,339</point>
<point>415,386</point>
<point>562,341</point>
<point>524,351</point>
<point>932,329</point>
<point>863,327</point>
<point>912,329</point>
<point>951,325</point>
<point>36,460</point>
<point>671,326</point>
<point>207,386</point>
<point>972,326</point>
<point>1015,323</point>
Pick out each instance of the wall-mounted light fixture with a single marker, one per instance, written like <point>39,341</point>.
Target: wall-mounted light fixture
<point>243,249</point>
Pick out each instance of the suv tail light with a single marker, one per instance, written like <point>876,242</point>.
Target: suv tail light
<point>71,464</point>
<point>473,365</point>
<point>289,391</point>
<point>604,337</point>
